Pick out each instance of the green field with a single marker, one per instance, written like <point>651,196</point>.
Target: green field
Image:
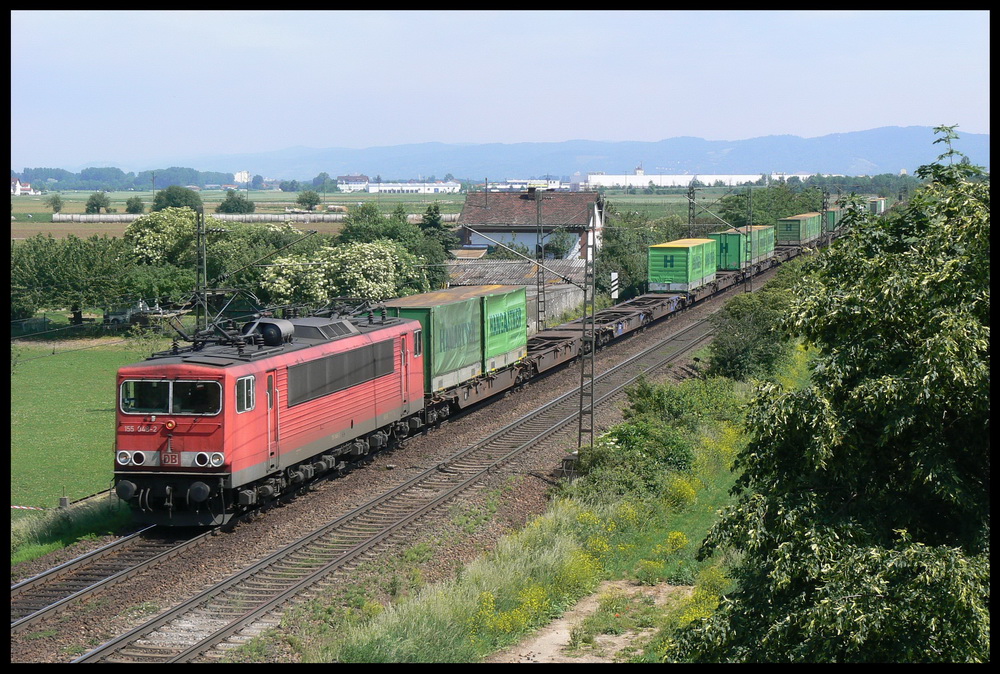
<point>62,419</point>
<point>272,201</point>
<point>30,215</point>
<point>267,201</point>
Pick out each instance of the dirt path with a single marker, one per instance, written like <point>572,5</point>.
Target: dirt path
<point>551,643</point>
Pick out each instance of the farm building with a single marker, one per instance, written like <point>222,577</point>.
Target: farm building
<point>516,217</point>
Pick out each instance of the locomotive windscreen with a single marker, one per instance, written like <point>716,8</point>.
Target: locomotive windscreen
<point>171,397</point>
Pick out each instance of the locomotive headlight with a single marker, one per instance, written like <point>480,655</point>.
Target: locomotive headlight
<point>138,458</point>
<point>170,424</point>
<point>124,458</point>
<point>201,459</point>
<point>218,458</point>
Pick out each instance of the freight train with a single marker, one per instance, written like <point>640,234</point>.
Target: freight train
<point>207,432</point>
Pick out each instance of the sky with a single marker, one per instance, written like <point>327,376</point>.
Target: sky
<point>135,88</point>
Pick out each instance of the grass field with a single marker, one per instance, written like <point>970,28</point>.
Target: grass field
<point>30,215</point>
<point>270,201</point>
<point>62,419</point>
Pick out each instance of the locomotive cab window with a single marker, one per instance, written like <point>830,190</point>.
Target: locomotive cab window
<point>244,394</point>
<point>418,342</point>
<point>196,397</point>
<point>171,397</point>
<point>145,397</point>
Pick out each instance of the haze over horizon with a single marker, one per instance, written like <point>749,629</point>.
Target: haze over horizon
<point>161,84</point>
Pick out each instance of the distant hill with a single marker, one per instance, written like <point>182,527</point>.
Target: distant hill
<point>876,151</point>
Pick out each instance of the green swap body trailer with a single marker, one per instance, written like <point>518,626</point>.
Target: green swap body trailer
<point>467,331</point>
<point>683,265</point>
<point>799,229</point>
<point>833,218</point>
<point>738,249</point>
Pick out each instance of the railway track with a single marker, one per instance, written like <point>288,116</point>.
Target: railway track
<point>54,590</point>
<point>206,626</point>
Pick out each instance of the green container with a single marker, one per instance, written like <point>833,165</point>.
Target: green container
<point>799,229</point>
<point>467,330</point>
<point>683,265</point>
<point>833,218</point>
<point>505,327</point>
<point>763,242</point>
<point>734,252</point>
<point>732,249</point>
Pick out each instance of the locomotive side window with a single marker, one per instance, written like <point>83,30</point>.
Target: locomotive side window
<point>244,394</point>
<point>320,377</point>
<point>418,342</point>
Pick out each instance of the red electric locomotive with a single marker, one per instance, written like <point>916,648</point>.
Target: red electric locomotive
<point>207,433</point>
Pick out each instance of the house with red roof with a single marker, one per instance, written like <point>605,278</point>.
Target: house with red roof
<point>519,217</point>
<point>18,188</point>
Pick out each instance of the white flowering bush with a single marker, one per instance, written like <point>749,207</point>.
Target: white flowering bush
<point>166,236</point>
<point>375,271</point>
<point>294,279</point>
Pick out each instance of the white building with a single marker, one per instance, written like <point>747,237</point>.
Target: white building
<point>438,187</point>
<point>17,188</point>
<point>352,183</point>
<point>641,180</point>
<point>524,184</point>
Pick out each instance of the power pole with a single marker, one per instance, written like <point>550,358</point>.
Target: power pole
<point>690,196</point>
<point>201,291</point>
<point>748,286</point>
<point>202,273</point>
<point>540,317</point>
<point>827,233</point>
<point>588,344</point>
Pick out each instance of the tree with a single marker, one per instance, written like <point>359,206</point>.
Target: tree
<point>373,271</point>
<point>31,273</point>
<point>176,196</point>
<point>308,200</point>
<point>748,342</point>
<point>104,178</point>
<point>324,183</point>
<point>96,202</point>
<point>509,251</point>
<point>159,282</point>
<point>863,511</point>
<point>164,236</point>
<point>235,258</point>
<point>235,202</point>
<point>134,205</point>
<point>54,202</point>
<point>366,223</point>
<point>769,204</point>
<point>559,243</point>
<point>434,227</point>
<point>70,272</point>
